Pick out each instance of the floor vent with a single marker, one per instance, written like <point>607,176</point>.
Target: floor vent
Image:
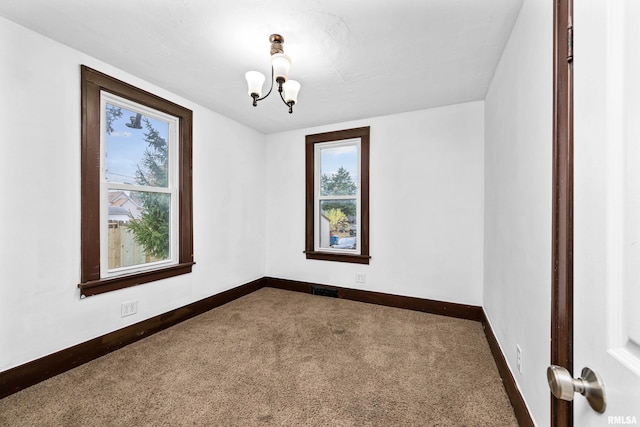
<point>326,292</point>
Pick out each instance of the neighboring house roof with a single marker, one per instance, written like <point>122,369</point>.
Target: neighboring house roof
<point>118,210</point>
<point>120,197</point>
<point>118,201</point>
<point>119,214</point>
<point>130,204</point>
<point>115,195</point>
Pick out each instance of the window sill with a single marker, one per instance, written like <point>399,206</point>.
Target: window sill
<point>95,287</point>
<point>327,256</point>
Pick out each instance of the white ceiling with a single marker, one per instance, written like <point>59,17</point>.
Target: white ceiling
<point>354,58</point>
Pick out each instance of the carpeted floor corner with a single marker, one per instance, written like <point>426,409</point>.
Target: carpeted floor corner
<point>281,358</point>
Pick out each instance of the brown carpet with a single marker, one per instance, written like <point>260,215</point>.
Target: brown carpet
<point>282,358</point>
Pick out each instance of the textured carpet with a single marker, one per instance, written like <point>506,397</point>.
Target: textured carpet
<point>276,357</point>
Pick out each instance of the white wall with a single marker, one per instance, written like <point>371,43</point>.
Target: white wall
<point>40,308</point>
<point>426,213</point>
<point>518,196</point>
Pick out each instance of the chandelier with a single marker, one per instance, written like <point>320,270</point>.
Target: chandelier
<point>280,63</point>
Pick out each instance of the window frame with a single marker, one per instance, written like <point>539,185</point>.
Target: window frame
<point>319,198</point>
<point>312,250</point>
<point>91,282</point>
<point>171,189</point>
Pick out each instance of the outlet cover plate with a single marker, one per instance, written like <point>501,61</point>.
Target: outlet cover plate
<point>128,308</point>
<point>519,358</point>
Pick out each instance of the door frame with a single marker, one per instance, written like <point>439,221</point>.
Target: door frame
<point>562,223</point>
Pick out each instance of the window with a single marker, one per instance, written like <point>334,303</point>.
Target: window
<point>136,186</point>
<point>337,196</point>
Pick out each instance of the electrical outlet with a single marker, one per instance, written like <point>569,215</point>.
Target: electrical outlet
<point>519,358</point>
<point>128,308</point>
<point>361,278</point>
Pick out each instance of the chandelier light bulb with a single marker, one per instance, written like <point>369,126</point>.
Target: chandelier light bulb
<point>291,89</point>
<point>281,64</point>
<point>255,80</point>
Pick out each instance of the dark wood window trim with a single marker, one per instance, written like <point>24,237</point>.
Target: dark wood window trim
<point>92,83</point>
<point>310,141</point>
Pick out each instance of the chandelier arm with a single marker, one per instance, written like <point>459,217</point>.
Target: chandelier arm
<point>282,97</point>
<point>270,89</point>
<point>288,104</point>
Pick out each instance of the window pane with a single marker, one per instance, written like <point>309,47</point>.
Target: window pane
<point>338,224</point>
<point>339,171</point>
<point>136,148</point>
<point>138,227</point>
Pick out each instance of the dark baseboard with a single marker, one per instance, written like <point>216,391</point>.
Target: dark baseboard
<point>46,367</point>
<point>461,311</point>
<point>519,407</point>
